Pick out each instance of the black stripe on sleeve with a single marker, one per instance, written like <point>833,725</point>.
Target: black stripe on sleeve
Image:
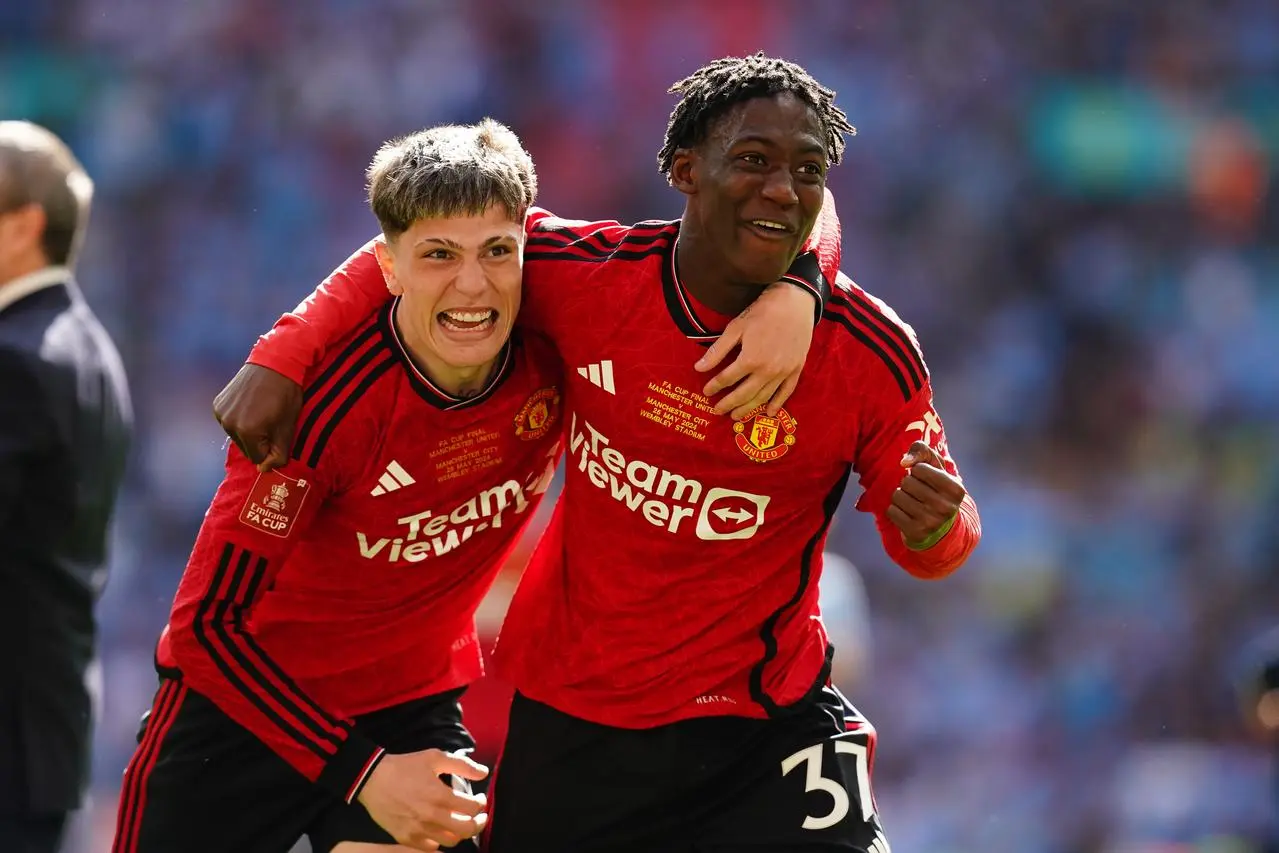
<point>895,329</point>
<point>874,347</point>
<point>892,335</point>
<point>211,631</point>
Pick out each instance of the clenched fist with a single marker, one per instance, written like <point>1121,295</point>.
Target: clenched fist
<point>925,505</point>
<point>259,409</point>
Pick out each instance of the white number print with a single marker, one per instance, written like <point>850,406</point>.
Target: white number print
<point>811,758</point>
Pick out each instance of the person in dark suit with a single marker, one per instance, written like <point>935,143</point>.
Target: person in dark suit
<point>65,425</point>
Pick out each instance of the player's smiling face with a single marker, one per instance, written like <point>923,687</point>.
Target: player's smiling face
<point>757,183</point>
<point>460,282</point>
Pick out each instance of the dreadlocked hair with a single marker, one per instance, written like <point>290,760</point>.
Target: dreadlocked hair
<point>709,91</point>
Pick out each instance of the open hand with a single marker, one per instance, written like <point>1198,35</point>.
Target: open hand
<point>774,334</point>
<point>407,798</point>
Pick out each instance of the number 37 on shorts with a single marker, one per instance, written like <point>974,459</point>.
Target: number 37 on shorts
<point>837,799</point>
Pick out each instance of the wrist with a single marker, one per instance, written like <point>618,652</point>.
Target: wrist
<point>806,273</point>
<point>291,368</point>
<point>349,769</point>
<point>933,538</point>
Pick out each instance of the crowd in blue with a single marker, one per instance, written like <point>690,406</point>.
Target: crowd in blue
<point>1073,203</point>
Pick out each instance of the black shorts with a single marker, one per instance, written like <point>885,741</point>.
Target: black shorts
<point>202,783</point>
<point>799,782</point>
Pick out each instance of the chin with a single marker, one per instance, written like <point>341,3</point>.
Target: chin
<point>763,274</point>
<point>464,357</point>
<point>763,268</point>
<point>473,355</point>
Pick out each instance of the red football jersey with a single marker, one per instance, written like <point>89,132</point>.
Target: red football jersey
<point>347,581</point>
<point>679,574</point>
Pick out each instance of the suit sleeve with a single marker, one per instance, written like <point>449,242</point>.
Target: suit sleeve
<point>253,524</point>
<point>24,425</point>
<point>340,303</point>
<point>893,428</point>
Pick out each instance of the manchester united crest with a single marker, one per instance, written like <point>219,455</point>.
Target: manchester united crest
<point>538,414</point>
<point>764,438</point>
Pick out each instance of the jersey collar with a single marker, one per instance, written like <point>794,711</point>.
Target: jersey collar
<point>682,306</point>
<point>422,384</point>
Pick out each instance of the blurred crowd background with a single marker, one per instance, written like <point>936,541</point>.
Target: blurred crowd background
<point>1073,202</point>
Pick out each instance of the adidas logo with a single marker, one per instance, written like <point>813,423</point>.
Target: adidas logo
<point>600,375</point>
<point>393,478</point>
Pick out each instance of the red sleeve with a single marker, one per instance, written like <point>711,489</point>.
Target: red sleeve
<point>253,524</point>
<point>818,262</point>
<point>540,219</point>
<point>343,301</point>
<point>354,290</point>
<point>878,461</point>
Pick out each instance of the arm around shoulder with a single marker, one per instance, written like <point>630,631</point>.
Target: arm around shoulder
<point>298,340</point>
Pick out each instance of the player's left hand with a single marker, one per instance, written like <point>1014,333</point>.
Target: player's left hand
<point>774,333</point>
<point>928,498</point>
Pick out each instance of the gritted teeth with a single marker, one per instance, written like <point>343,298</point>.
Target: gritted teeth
<point>770,224</point>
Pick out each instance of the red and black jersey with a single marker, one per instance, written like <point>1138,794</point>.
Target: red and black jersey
<point>679,575</point>
<point>347,581</point>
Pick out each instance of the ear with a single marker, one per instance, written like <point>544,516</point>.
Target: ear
<point>685,166</point>
<point>386,260</point>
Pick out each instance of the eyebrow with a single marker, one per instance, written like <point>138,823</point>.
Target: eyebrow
<point>811,148</point>
<point>444,241</point>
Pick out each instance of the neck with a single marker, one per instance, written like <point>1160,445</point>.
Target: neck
<point>705,273</point>
<point>456,381</point>
<point>22,266</point>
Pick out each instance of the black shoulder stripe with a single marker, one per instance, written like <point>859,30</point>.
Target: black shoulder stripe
<point>642,231</point>
<point>371,377</point>
<point>585,247</point>
<point>595,259</point>
<point>319,412</point>
<point>894,328</point>
<point>213,635</point>
<point>338,363</point>
<point>874,346</point>
<point>597,244</point>
<point>888,331</point>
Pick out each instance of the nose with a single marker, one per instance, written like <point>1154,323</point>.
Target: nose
<point>471,280</point>
<point>779,188</point>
